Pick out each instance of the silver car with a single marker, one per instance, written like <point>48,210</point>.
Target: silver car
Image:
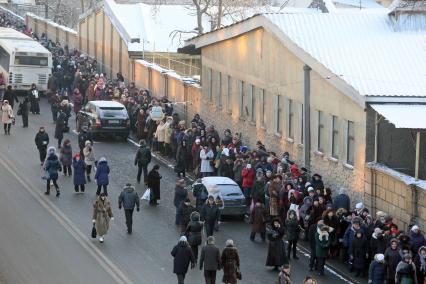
<point>229,192</point>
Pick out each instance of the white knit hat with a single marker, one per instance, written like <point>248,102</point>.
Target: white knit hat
<point>359,205</point>
<point>183,239</point>
<point>415,227</point>
<point>379,257</point>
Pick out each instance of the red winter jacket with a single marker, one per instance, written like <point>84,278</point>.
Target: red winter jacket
<point>248,177</point>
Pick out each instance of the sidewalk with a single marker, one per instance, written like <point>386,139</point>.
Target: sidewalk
<point>334,266</point>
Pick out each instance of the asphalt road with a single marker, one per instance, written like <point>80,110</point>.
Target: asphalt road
<point>44,239</point>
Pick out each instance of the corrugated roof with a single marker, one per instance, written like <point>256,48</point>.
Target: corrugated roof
<point>403,115</point>
<point>362,49</point>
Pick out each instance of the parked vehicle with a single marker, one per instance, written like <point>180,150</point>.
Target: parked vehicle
<point>228,190</point>
<point>104,117</point>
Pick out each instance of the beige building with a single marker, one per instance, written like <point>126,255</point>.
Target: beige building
<point>301,82</point>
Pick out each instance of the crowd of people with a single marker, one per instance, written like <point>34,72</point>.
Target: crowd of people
<point>285,203</point>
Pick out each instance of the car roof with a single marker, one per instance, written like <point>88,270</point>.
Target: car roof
<point>211,181</point>
<point>107,104</point>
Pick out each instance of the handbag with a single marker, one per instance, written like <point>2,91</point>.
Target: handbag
<point>94,233</point>
<point>239,276</point>
<point>19,112</point>
<point>46,175</point>
<point>302,233</point>
<point>147,195</point>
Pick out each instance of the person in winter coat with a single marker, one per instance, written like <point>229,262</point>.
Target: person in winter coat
<point>34,99</point>
<point>199,191</point>
<point>193,233</point>
<point>359,252</point>
<point>42,141</point>
<point>66,157</point>
<point>141,124</point>
<point>77,100</point>
<point>129,199</point>
<point>210,259</point>
<point>248,175</point>
<point>238,170</point>
<point>257,191</point>
<point>60,127</point>
<point>184,211</point>
<point>258,221</point>
<point>183,256</point>
<point>160,135</point>
<point>284,275</point>
<point>182,159</point>
<point>377,242</point>
<point>392,258</point>
<point>417,239</point>
<point>102,176</point>
<point>180,195</point>
<point>274,189</point>
<point>89,158</point>
<point>102,215</point>
<point>406,271</point>
<point>231,263</point>
<point>276,248</point>
<point>142,160</point>
<point>293,228</point>
<point>79,170</point>
<point>420,262</point>
<point>52,166</point>
<point>154,181</point>
<point>23,109</point>
<point>84,136</point>
<point>322,244</point>
<point>10,96</point>
<point>7,117</point>
<point>377,270</point>
<point>206,156</point>
<point>210,214</point>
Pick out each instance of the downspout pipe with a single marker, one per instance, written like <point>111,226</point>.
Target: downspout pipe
<point>307,115</point>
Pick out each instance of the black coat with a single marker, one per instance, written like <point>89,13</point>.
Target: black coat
<point>185,211</point>
<point>292,226</point>
<point>210,257</point>
<point>40,138</point>
<point>377,273</point>
<point>276,249</point>
<point>60,125</point>
<point>183,256</point>
<point>392,258</point>
<point>181,158</point>
<point>209,213</point>
<point>11,97</point>
<point>154,178</point>
<point>359,250</point>
<point>311,236</point>
<point>377,245</point>
<point>193,232</point>
<point>180,195</point>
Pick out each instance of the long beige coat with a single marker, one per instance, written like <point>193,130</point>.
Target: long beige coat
<point>102,215</point>
<point>7,112</point>
<point>161,132</point>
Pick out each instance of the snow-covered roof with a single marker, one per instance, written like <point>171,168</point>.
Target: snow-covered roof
<point>364,4</point>
<point>403,115</point>
<point>359,52</point>
<point>51,23</point>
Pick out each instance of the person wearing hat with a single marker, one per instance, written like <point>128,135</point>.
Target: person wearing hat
<point>89,158</point>
<point>154,183</point>
<point>274,189</point>
<point>185,209</point>
<point>60,126</point>
<point>359,252</point>
<point>406,271</point>
<point>83,136</point>
<point>102,215</point>
<point>102,176</point>
<point>377,242</point>
<point>277,255</point>
<point>79,171</point>
<point>377,270</point>
<point>230,260</point>
<point>349,235</point>
<point>129,199</point>
<point>417,239</point>
<point>392,258</point>
<point>210,214</point>
<point>322,244</point>
<point>142,160</point>
<point>42,141</point>
<point>180,195</point>
<point>420,262</point>
<point>182,257</point>
<point>210,260</point>
<point>342,200</point>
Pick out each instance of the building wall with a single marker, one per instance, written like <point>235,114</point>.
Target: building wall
<point>258,59</point>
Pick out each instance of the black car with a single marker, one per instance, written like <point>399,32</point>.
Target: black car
<point>104,117</point>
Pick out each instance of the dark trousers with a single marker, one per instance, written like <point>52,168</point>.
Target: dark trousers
<point>195,252</point>
<point>181,278</point>
<point>313,261</point>
<point>88,172</point>
<point>25,120</point>
<point>98,192</point>
<point>54,115</point>
<point>209,228</point>
<point>79,187</point>
<point>54,183</point>
<point>210,276</point>
<point>129,219</point>
<point>59,143</point>
<point>294,245</point>
<point>6,127</point>
<point>67,169</point>
<point>42,153</point>
<point>177,217</point>
<point>321,264</point>
<point>253,235</point>
<point>143,168</point>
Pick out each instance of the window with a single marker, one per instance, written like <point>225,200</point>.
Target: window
<point>262,107</point>
<point>241,97</point>
<point>209,84</point>
<point>278,114</point>
<point>228,93</point>
<point>350,143</point>
<point>4,59</point>
<point>219,89</point>
<point>302,124</point>
<point>251,103</point>
<point>335,137</point>
<point>31,60</point>
<point>290,120</point>
<point>320,131</point>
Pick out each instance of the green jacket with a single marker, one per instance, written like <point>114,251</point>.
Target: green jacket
<point>322,242</point>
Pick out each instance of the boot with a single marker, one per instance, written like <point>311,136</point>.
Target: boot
<point>88,178</point>
<point>57,193</point>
